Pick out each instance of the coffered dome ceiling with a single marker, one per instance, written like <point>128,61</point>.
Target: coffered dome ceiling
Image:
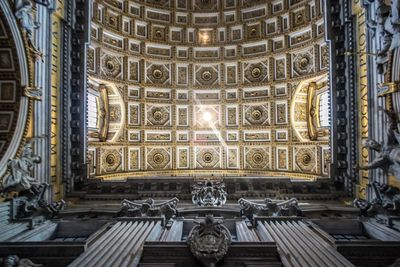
<point>228,88</point>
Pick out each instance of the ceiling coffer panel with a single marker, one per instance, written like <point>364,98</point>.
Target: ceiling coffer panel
<point>193,86</point>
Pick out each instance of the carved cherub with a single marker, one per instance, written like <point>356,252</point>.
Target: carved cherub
<point>389,151</point>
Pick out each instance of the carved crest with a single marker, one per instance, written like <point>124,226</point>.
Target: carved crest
<point>209,241</point>
<point>209,194</point>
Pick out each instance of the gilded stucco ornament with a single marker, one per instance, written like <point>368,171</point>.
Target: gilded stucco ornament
<point>388,158</point>
<point>209,241</point>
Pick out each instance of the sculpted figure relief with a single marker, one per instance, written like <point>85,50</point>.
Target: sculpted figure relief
<point>20,178</point>
<point>31,199</point>
<point>23,12</point>
<point>387,26</point>
<point>386,200</point>
<point>388,158</point>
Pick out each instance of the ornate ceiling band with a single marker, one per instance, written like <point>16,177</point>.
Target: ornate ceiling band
<point>14,67</point>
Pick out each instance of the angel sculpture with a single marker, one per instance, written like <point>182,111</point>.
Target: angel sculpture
<point>20,178</point>
<point>389,151</point>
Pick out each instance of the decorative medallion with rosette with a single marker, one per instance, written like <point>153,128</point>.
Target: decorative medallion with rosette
<point>158,74</point>
<point>111,160</point>
<point>257,158</point>
<point>303,63</point>
<point>158,115</point>
<point>158,158</point>
<point>208,158</point>
<point>111,66</point>
<point>255,72</point>
<point>206,75</point>
<point>256,115</point>
<point>305,159</point>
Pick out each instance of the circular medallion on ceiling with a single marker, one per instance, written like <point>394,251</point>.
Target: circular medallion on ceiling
<point>206,75</point>
<point>158,158</point>
<point>257,158</point>
<point>256,114</point>
<point>157,115</point>
<point>110,159</point>
<point>256,72</point>
<point>157,74</point>
<point>207,157</point>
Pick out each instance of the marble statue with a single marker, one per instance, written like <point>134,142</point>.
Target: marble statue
<point>20,178</point>
<point>23,12</point>
<point>386,200</point>
<point>388,158</point>
<point>209,194</point>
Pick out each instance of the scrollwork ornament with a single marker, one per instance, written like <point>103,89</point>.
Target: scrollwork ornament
<point>270,208</point>
<point>167,209</point>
